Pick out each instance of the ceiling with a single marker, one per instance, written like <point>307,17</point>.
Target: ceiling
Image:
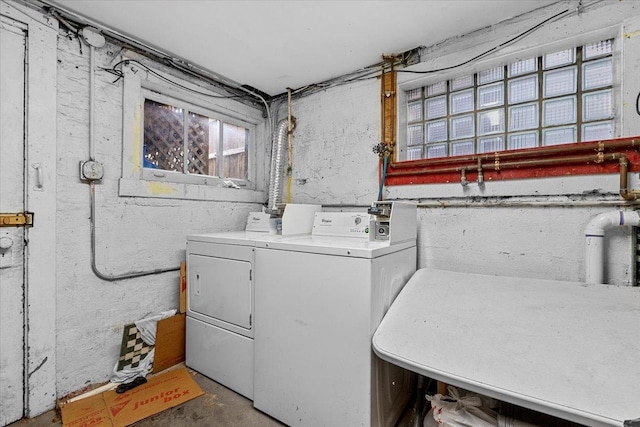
<point>273,45</point>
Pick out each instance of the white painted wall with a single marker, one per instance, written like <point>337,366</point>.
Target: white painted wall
<point>132,233</point>
<point>334,164</point>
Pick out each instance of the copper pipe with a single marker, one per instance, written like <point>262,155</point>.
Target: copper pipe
<point>625,193</point>
<point>599,146</point>
<point>504,165</point>
<point>599,158</point>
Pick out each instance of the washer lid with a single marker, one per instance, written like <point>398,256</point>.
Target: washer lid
<point>244,238</point>
<point>340,246</point>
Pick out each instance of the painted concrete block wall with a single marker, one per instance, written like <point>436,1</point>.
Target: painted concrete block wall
<point>522,239</point>
<point>333,161</point>
<point>132,233</point>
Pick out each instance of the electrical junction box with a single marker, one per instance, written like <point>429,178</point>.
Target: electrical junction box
<point>91,171</point>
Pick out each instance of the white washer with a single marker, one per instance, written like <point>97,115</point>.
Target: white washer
<point>319,300</point>
<point>220,298</point>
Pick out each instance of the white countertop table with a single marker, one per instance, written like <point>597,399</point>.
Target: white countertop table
<point>566,349</point>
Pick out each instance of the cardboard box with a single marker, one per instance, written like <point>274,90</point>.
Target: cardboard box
<point>183,287</point>
<point>169,342</point>
<point>111,409</point>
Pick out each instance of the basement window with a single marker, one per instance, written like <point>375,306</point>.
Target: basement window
<point>185,140</point>
<point>558,98</point>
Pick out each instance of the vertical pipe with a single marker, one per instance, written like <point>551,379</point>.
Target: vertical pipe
<point>289,146</point>
<point>92,101</point>
<point>594,234</point>
<point>594,259</point>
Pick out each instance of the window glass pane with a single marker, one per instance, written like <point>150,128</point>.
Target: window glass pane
<point>492,75</point>
<point>557,59</point>
<point>491,95</point>
<point>414,153</point>
<point>557,136</point>
<point>491,121</point>
<point>523,140</point>
<point>593,50</point>
<point>486,145</point>
<point>461,101</point>
<point>462,82</point>
<point>597,131</point>
<point>235,140</point>
<point>436,107</point>
<point>523,67</point>
<point>437,88</point>
<point>437,131</point>
<point>414,94</point>
<point>462,148</point>
<point>199,147</point>
<point>462,127</point>
<point>414,112</point>
<point>560,82</point>
<point>523,89</point>
<point>597,74</point>
<point>436,150</point>
<point>163,136</point>
<point>559,111</point>
<point>214,135</point>
<point>472,113</point>
<point>596,105</point>
<point>523,117</point>
<point>414,135</point>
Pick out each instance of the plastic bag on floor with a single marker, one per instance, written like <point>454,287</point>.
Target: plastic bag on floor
<point>128,374</point>
<point>149,326</point>
<point>458,411</point>
<point>138,356</point>
<point>429,421</point>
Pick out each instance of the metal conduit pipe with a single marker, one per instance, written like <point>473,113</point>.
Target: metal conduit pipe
<point>94,266</point>
<point>278,151</point>
<point>94,39</point>
<point>599,146</point>
<point>594,234</point>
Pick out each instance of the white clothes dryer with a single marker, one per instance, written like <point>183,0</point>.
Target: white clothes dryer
<point>220,296</point>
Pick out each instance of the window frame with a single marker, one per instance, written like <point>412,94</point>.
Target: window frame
<point>185,177</point>
<point>407,82</point>
<point>137,181</point>
<point>417,109</point>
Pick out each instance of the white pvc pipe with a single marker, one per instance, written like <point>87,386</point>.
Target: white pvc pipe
<point>594,233</point>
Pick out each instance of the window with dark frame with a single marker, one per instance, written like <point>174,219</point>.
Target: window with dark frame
<point>558,98</point>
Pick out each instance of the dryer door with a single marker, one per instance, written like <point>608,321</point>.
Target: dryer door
<point>221,289</point>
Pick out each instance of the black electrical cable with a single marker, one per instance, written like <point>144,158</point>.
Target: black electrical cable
<point>366,73</point>
<point>493,49</point>
<point>638,104</point>
<point>119,73</point>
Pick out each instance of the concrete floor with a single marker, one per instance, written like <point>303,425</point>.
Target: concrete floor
<point>221,407</point>
<point>218,407</point>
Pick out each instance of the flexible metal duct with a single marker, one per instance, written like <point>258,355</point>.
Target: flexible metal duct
<point>278,154</point>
